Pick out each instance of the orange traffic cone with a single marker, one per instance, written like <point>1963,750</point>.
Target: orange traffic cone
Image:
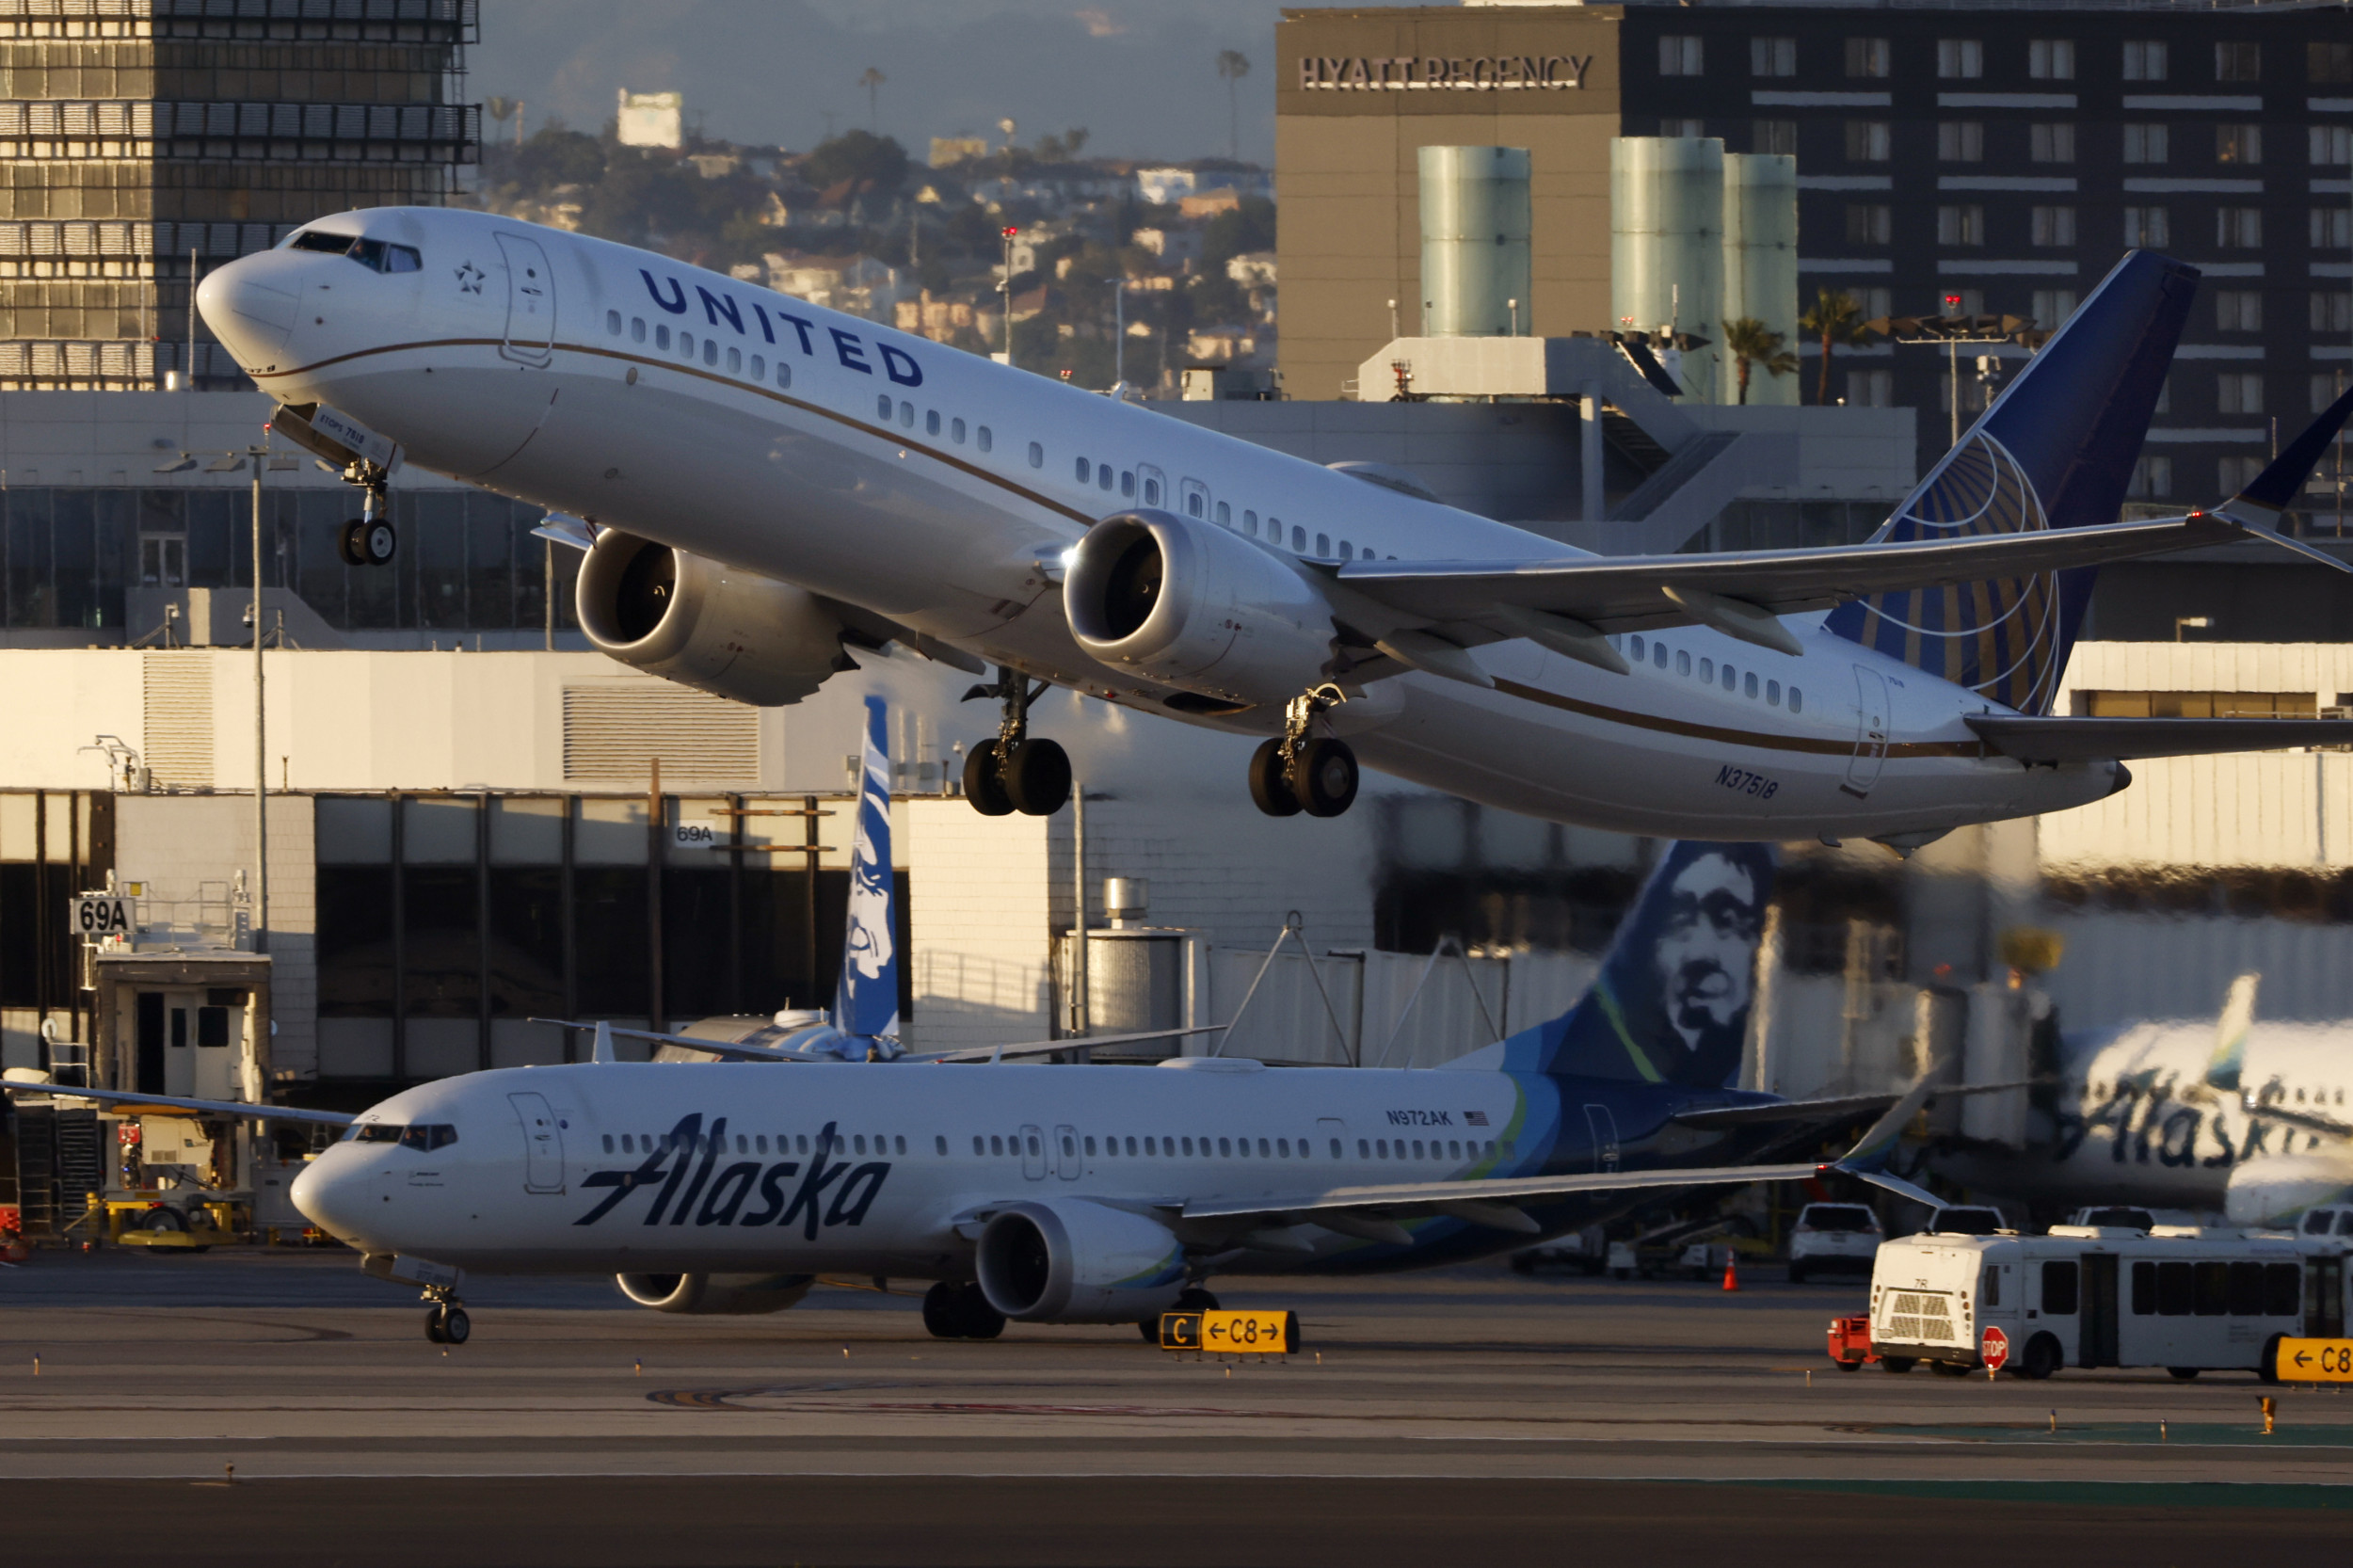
<point>1732,1279</point>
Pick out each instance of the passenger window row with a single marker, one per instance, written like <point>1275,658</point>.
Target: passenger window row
<point>710,355</point>
<point>856,1142</point>
<point>1449,1149</point>
<point>1158,1147</point>
<point>1737,681</point>
<point>934,423</point>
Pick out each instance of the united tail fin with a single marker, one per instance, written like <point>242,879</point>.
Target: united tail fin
<point>2056,450</point>
<point>866,1002</point>
<point>2230,1036</point>
<point>1671,1004</point>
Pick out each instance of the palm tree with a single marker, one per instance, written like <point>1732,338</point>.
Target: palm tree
<point>1837,320</point>
<point>1233,65</point>
<point>1750,343</point>
<point>872,82</point>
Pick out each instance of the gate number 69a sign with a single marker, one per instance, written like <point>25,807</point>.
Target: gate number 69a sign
<point>98,916</point>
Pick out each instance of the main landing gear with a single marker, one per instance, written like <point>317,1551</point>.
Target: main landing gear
<point>370,539</point>
<point>1014,772</point>
<point>1303,771</point>
<point>445,1320</point>
<point>958,1310</point>
<point>1192,1299</point>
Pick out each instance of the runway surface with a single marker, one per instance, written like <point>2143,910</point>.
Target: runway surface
<point>1526,1419</point>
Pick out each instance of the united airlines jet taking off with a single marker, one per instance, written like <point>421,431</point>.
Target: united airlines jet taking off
<point>1081,1193</point>
<point>757,482</point>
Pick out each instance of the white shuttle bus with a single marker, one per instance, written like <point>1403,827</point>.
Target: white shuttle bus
<point>2177,1297</point>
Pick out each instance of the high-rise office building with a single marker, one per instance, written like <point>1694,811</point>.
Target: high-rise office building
<point>144,141</point>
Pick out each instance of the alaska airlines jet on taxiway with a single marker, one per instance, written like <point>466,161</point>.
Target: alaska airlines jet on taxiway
<point>1076,1193</point>
<point>757,480</point>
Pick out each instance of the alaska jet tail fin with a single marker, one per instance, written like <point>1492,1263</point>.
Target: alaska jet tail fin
<point>2055,451</point>
<point>866,1000</point>
<point>1671,1004</point>
<point>2230,1036</point>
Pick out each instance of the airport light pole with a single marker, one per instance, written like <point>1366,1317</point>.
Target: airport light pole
<point>258,456</point>
<point>1007,287</point>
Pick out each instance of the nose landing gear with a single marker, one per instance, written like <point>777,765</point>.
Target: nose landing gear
<point>1014,772</point>
<point>1304,771</point>
<point>445,1320</point>
<point>370,539</point>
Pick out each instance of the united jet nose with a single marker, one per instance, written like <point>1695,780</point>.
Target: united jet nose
<point>251,303</point>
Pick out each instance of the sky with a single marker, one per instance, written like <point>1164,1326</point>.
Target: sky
<point>1139,75</point>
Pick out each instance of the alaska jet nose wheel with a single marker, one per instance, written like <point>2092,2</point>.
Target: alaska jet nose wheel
<point>1014,772</point>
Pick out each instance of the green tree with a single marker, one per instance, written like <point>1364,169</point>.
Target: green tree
<point>857,155</point>
<point>1233,65</point>
<point>1246,228</point>
<point>1837,321</point>
<point>556,156</point>
<point>1750,343</point>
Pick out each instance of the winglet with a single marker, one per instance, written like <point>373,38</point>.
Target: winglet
<point>2229,1034</point>
<point>2267,497</point>
<point>1869,1155</point>
<point>603,1050</point>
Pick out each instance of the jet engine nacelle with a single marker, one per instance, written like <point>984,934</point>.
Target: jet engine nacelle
<point>1078,1262</point>
<point>690,620</point>
<point>715,1295</point>
<point>1186,603</point>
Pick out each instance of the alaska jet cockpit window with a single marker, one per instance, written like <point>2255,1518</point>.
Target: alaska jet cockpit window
<point>422,1135</point>
<point>376,255</point>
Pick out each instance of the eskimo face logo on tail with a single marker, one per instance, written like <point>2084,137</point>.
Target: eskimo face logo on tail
<point>2000,637</point>
<point>689,1187</point>
<point>1706,953</point>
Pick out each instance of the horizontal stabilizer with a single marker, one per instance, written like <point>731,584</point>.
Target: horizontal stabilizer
<point>1770,1112</point>
<point>1636,593</point>
<point>2085,740</point>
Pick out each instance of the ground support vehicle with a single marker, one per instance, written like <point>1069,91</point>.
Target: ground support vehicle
<point>1832,1238</point>
<point>2185,1299</point>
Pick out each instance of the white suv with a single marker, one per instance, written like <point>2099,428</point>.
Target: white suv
<point>1832,1237</point>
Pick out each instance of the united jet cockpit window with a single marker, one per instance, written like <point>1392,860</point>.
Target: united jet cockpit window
<point>376,255</point>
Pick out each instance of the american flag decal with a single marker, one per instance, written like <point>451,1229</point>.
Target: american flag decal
<point>1475,1118</point>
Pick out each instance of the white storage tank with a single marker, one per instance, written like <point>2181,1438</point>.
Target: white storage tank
<point>1761,264</point>
<point>1476,277</point>
<point>1667,246</point>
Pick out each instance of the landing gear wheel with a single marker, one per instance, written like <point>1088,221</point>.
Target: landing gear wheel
<point>1037,779</point>
<point>378,542</point>
<point>1270,781</point>
<point>942,1317</point>
<point>978,1319</point>
<point>984,783</point>
<point>455,1326</point>
<point>1194,1299</point>
<point>433,1326</point>
<point>348,542</point>
<point>1323,777</point>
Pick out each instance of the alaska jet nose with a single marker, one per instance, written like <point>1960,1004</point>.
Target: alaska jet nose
<point>251,304</point>
<point>333,1192</point>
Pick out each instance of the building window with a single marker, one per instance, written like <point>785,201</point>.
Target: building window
<point>1866,141</point>
<point>1685,129</point>
<point>1774,136</point>
<point>1871,389</point>
<point>2238,144</point>
<point>1962,223</point>
<point>2144,60</point>
<point>2332,227</point>
<point>2149,228</point>
<point>2054,225</point>
<point>2051,59</point>
<point>2238,62</point>
<point>2051,144</point>
<point>2238,311</point>
<point>2146,144</point>
<point>1974,394</point>
<point>2332,144</point>
<point>1971,302</point>
<point>1867,56</point>
<point>2238,228</point>
<point>2332,311</point>
<point>1869,223</point>
<point>2052,307</point>
<point>1778,57</point>
<point>2196,705</point>
<point>2328,386</point>
<point>1961,59</point>
<point>2165,396</point>
<point>2237,474</point>
<point>1874,303</point>
<point>1681,56</point>
<point>2238,392</point>
<point>2328,62</point>
<point>2153,478</point>
<point>1960,141</point>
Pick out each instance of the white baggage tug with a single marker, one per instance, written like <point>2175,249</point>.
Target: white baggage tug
<point>2177,1297</point>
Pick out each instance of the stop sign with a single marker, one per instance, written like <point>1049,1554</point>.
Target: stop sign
<point>1994,1348</point>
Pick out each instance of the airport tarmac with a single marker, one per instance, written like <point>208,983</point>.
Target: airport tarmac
<point>1517,1408</point>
